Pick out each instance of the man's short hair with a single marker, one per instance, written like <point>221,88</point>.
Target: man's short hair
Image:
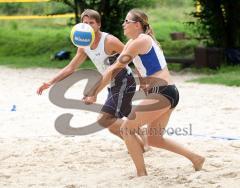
<point>93,14</point>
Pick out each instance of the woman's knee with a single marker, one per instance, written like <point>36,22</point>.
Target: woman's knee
<point>151,139</point>
<point>127,129</point>
<point>124,131</point>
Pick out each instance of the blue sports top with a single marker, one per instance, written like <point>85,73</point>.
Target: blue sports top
<point>150,62</point>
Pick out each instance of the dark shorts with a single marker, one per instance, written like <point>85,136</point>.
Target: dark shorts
<point>169,91</point>
<point>120,94</point>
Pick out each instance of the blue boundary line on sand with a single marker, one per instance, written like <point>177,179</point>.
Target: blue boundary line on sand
<point>217,137</point>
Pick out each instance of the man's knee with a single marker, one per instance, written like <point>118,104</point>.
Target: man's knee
<point>106,120</point>
<point>114,129</point>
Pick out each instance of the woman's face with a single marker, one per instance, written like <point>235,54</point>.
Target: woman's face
<point>129,26</point>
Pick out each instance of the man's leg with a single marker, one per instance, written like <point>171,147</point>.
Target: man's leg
<point>113,124</point>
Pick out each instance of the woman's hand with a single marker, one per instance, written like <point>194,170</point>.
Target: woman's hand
<point>89,99</point>
<point>42,87</point>
<point>143,88</point>
<point>143,85</point>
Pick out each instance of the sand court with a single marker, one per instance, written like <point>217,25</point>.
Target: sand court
<point>34,154</point>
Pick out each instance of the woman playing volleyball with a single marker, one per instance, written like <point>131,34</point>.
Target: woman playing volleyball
<point>161,94</point>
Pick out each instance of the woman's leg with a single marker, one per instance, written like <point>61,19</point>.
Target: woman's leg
<point>156,139</point>
<point>146,112</point>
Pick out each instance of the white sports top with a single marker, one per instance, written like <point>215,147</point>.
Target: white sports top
<point>98,55</point>
<point>150,62</point>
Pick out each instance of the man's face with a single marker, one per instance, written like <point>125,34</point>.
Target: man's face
<point>92,22</point>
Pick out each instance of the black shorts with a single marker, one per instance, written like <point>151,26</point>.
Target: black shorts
<point>169,91</point>
<point>120,94</point>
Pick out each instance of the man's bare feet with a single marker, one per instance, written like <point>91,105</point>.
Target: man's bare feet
<point>198,162</point>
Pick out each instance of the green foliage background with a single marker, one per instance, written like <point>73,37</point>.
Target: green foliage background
<point>32,43</point>
<point>219,20</point>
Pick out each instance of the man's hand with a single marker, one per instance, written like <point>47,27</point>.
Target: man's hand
<point>42,87</point>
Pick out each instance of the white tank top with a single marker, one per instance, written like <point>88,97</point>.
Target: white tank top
<point>98,55</point>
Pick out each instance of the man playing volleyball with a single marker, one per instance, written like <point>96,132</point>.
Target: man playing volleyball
<point>103,52</point>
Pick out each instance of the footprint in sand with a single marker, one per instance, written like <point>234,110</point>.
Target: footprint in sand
<point>227,160</point>
<point>230,175</point>
<point>5,176</point>
<point>15,155</point>
<point>182,180</point>
<point>216,165</point>
<point>5,157</point>
<point>31,185</point>
<point>235,145</point>
<point>212,182</point>
<point>211,151</point>
<point>212,156</point>
<point>70,186</point>
<point>229,109</point>
<point>106,150</point>
<point>131,177</point>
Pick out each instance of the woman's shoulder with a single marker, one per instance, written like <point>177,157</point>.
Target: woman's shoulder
<point>141,44</point>
<point>143,39</point>
<point>144,36</point>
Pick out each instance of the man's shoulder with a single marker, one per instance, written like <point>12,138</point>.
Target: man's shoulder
<point>113,44</point>
<point>111,39</point>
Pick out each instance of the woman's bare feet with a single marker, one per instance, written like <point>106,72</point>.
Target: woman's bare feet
<point>143,135</point>
<point>143,173</point>
<point>139,174</point>
<point>198,162</point>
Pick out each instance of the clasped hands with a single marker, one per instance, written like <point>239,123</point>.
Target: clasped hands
<point>89,99</point>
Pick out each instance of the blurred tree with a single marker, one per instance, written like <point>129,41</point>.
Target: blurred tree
<point>174,3</point>
<point>10,8</point>
<point>33,8</point>
<point>111,11</point>
<point>220,21</point>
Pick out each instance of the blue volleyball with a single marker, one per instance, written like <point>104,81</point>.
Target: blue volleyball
<point>82,35</point>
